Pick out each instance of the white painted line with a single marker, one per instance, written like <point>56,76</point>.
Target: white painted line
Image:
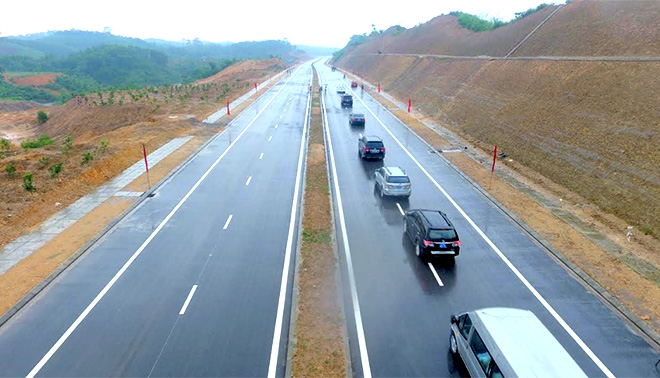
<point>276,126</point>
<point>492,245</point>
<point>435,274</point>
<point>261,156</point>
<point>362,343</point>
<point>280,117</point>
<point>400,209</point>
<point>227,222</point>
<point>248,181</point>
<point>270,138</point>
<point>285,109</point>
<point>277,334</point>
<point>187,302</point>
<point>35,370</point>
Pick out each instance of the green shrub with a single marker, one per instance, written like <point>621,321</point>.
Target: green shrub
<point>43,140</point>
<point>103,146</point>
<point>10,169</point>
<point>86,158</point>
<point>5,144</point>
<point>44,160</point>
<point>68,143</point>
<point>27,182</point>
<point>42,117</point>
<point>55,169</point>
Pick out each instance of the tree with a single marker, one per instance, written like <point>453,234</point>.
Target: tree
<point>42,117</point>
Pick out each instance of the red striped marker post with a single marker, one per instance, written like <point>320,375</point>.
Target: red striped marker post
<point>146,164</point>
<point>492,169</point>
<point>409,104</point>
<point>228,113</point>
<point>378,87</point>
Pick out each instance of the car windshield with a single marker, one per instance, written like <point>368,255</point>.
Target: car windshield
<point>398,179</point>
<point>444,234</point>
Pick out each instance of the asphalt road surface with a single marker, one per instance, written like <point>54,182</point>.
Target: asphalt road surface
<point>398,308</point>
<point>196,281</point>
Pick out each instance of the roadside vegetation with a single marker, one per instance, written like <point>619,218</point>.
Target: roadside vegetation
<point>479,24</point>
<point>319,326</point>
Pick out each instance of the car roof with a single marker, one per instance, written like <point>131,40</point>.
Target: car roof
<point>395,171</point>
<point>435,218</point>
<point>528,347</point>
<point>357,115</point>
<point>371,138</point>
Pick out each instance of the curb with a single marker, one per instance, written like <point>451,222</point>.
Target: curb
<point>149,193</point>
<point>650,334</point>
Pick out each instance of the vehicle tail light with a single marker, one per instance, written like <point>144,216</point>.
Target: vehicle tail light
<point>366,149</point>
<point>382,149</point>
<point>457,243</point>
<point>390,186</point>
<point>428,243</point>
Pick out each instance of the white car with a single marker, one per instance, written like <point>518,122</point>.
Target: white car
<point>340,89</point>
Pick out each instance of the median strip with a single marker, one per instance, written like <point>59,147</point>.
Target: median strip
<point>319,346</point>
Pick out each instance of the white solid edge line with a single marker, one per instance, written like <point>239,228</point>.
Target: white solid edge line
<point>248,181</point>
<point>227,222</point>
<point>435,274</point>
<point>260,156</point>
<point>128,263</point>
<point>277,333</point>
<point>508,263</point>
<point>362,343</point>
<point>187,302</point>
<point>400,209</point>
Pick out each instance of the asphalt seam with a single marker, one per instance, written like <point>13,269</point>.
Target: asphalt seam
<point>68,262</point>
<point>586,280</point>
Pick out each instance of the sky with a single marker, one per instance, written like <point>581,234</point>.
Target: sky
<point>302,22</point>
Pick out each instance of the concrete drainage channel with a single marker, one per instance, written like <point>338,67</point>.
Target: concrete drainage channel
<point>647,332</point>
<point>148,194</point>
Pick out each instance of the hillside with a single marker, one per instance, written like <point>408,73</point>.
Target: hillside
<point>591,127</point>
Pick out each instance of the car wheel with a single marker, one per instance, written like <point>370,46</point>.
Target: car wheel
<point>453,345</point>
<point>418,250</point>
<point>405,227</point>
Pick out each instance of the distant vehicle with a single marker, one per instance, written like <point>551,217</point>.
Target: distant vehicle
<point>356,119</point>
<point>371,147</point>
<point>508,342</point>
<point>392,181</point>
<point>340,89</point>
<point>432,233</point>
<point>354,84</point>
<point>334,68</point>
<point>346,101</point>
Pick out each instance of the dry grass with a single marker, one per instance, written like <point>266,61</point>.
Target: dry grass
<point>319,343</point>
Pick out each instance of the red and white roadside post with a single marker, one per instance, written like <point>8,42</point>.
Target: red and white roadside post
<point>378,88</point>
<point>409,104</point>
<point>255,88</point>
<point>492,169</point>
<point>146,165</point>
<point>228,113</point>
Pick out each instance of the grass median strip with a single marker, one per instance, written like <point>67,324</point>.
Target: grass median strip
<point>319,329</point>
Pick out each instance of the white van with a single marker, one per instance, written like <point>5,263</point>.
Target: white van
<point>508,342</point>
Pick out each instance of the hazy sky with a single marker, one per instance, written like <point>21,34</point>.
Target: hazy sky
<point>318,23</point>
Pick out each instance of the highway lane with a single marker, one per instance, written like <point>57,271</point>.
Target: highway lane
<point>207,227</point>
<point>404,310</point>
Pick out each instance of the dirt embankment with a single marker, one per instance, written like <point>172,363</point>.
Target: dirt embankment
<point>586,132</point>
<point>124,119</point>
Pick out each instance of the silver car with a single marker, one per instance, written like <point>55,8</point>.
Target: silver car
<point>392,181</point>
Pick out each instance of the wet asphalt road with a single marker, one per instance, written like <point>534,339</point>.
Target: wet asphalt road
<point>226,234</point>
<point>222,226</point>
<point>404,309</point>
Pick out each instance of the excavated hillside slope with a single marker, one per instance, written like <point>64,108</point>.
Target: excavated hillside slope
<point>592,127</point>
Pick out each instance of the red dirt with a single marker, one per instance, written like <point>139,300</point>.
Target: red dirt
<point>34,80</point>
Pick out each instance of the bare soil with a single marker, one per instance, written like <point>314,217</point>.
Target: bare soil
<point>319,329</point>
<point>32,80</point>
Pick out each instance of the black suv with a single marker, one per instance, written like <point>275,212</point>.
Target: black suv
<point>346,101</point>
<point>371,147</point>
<point>432,233</point>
